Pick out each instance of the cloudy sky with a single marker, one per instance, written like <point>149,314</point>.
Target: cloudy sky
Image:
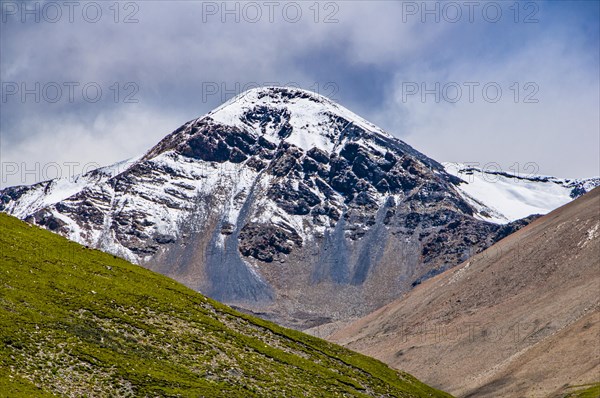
<point>503,83</point>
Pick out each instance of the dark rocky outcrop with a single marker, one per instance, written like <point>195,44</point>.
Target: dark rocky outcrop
<point>267,242</point>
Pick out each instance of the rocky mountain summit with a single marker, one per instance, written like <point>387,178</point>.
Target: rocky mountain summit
<point>280,202</point>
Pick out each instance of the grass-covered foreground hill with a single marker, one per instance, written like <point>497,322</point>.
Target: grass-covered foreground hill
<point>78,322</point>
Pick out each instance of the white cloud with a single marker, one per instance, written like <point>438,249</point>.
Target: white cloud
<point>71,146</point>
<point>560,133</point>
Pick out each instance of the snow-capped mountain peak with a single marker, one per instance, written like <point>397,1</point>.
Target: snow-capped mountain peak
<point>280,200</point>
<point>301,118</point>
<point>309,115</point>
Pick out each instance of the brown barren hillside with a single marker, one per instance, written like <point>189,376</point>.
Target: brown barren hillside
<point>520,319</point>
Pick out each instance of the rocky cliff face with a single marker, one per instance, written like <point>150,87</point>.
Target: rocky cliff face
<point>280,202</point>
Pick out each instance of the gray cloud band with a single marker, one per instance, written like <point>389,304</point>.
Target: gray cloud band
<point>368,56</point>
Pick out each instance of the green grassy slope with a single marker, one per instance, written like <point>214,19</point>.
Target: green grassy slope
<point>587,391</point>
<point>79,322</point>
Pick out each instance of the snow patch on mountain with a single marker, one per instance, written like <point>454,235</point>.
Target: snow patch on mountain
<point>502,197</point>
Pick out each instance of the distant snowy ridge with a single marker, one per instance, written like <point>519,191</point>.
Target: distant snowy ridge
<point>501,197</point>
<point>45,193</point>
